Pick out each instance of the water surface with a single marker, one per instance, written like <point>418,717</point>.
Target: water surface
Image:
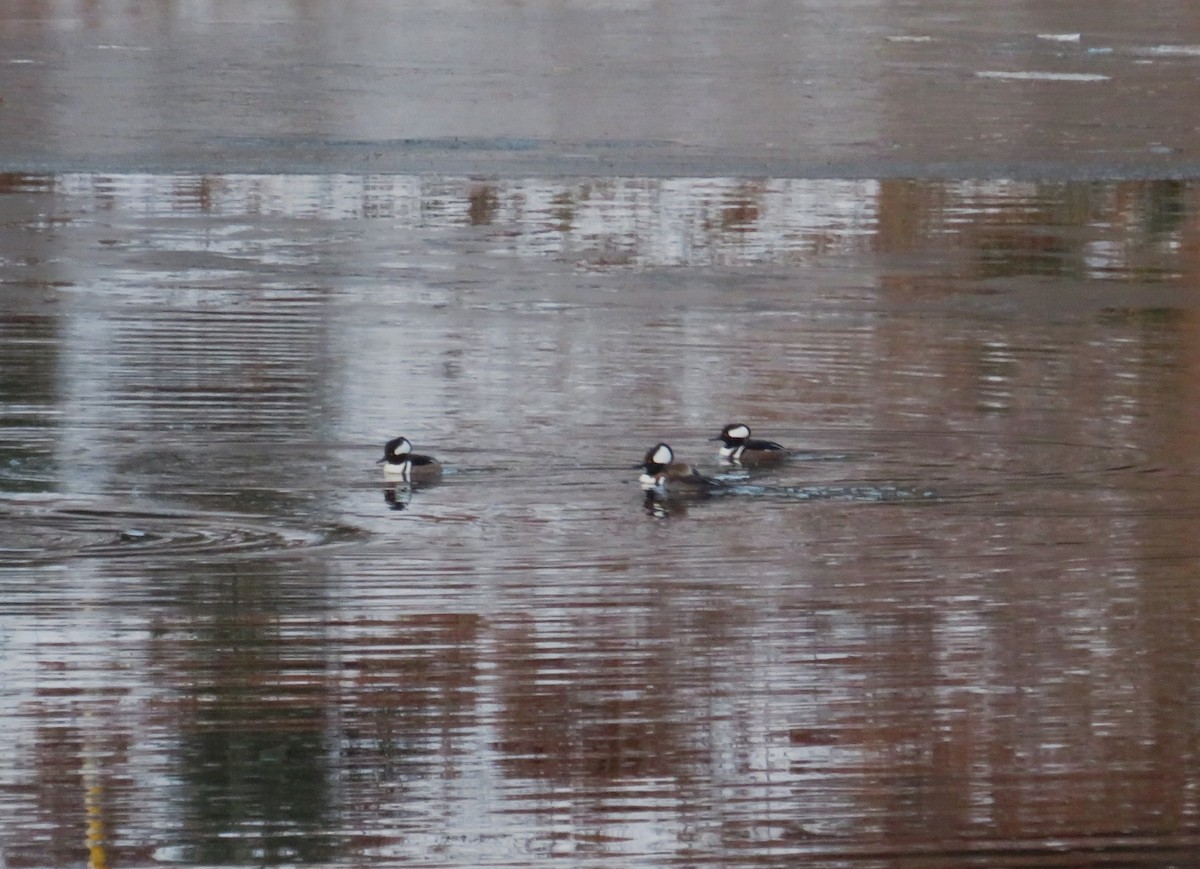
<point>960,88</point>
<point>957,628</point>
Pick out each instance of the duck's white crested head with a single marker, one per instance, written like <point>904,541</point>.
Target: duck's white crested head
<point>397,449</point>
<point>658,457</point>
<point>736,431</point>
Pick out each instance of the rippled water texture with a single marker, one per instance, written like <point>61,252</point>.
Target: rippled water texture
<point>958,627</point>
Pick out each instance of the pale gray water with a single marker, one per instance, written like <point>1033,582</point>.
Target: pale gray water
<point>958,627</point>
<point>666,88</point>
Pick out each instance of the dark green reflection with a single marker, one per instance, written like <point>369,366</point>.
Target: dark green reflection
<point>263,780</point>
<point>254,764</point>
<point>30,331</point>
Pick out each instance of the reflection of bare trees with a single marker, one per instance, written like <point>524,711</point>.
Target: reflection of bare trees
<point>582,716</point>
<point>1068,671</point>
<point>79,759</point>
<point>1132,230</point>
<point>408,693</point>
<point>1126,231</point>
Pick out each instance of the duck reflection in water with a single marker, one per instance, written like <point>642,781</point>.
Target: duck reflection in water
<point>397,497</point>
<point>661,506</point>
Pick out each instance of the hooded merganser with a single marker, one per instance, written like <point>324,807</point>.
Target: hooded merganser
<point>661,473</point>
<point>737,446</point>
<point>401,463</point>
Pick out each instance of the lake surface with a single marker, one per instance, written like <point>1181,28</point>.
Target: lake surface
<point>665,88</point>
<point>959,627</point>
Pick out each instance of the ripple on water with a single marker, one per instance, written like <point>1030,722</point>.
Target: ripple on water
<point>48,530</point>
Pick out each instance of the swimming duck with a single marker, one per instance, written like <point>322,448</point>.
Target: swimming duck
<point>661,473</point>
<point>738,447</point>
<point>401,463</point>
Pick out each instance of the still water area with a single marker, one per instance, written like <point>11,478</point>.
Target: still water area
<point>958,627</point>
